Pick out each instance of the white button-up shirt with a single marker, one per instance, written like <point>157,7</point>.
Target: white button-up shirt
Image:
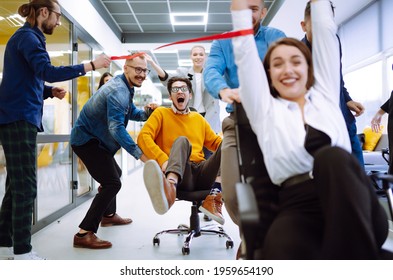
<point>277,122</point>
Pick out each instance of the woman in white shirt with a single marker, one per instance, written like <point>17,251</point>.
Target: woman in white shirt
<point>327,208</point>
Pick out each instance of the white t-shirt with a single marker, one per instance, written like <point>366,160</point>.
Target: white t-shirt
<point>198,102</point>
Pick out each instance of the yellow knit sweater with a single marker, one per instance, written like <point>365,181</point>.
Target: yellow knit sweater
<point>164,126</point>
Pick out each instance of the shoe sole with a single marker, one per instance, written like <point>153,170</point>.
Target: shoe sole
<point>152,175</point>
<point>93,248</point>
<point>114,224</point>
<point>3,258</point>
<point>211,216</point>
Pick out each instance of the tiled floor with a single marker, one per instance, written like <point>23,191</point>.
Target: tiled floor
<point>135,241</point>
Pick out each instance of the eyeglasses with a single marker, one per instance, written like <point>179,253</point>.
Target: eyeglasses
<point>139,70</point>
<point>176,89</point>
<point>58,15</point>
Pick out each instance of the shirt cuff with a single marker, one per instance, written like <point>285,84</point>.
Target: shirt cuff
<point>242,19</point>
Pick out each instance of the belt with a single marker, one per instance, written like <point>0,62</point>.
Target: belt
<point>297,179</point>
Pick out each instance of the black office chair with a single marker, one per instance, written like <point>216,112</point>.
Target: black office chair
<point>257,195</point>
<point>194,229</point>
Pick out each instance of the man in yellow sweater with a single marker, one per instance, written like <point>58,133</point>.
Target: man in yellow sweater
<point>173,140</point>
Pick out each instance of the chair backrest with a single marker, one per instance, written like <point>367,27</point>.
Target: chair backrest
<point>253,172</point>
<point>383,143</point>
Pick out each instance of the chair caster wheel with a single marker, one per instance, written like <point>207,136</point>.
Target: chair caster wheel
<point>185,251</point>
<point>156,240</point>
<point>229,244</point>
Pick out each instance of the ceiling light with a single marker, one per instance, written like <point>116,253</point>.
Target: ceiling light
<point>164,51</point>
<point>188,18</point>
<point>16,20</point>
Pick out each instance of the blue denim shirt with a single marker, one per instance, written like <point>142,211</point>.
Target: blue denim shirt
<point>105,117</point>
<point>26,68</point>
<point>221,71</point>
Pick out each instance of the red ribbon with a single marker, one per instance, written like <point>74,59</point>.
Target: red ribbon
<point>225,35</point>
<point>127,56</point>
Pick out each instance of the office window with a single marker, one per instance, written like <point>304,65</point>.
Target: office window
<point>353,34</point>
<point>365,85</point>
<point>386,24</point>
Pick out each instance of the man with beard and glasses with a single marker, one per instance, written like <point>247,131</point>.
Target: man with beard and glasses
<point>27,67</point>
<point>99,132</point>
<point>173,140</point>
<point>222,82</point>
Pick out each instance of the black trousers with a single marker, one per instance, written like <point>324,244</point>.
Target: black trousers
<point>103,168</point>
<point>336,215</point>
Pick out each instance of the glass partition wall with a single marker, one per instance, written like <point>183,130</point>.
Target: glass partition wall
<point>62,180</point>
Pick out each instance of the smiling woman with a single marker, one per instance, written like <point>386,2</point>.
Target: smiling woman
<point>305,145</point>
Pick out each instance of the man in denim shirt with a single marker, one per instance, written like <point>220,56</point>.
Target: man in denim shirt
<point>27,67</point>
<point>221,81</point>
<point>99,132</point>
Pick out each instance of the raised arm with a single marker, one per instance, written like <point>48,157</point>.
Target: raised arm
<point>326,52</point>
<point>254,87</point>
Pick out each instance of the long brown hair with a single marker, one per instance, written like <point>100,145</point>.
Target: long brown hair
<point>302,48</point>
<point>31,10</point>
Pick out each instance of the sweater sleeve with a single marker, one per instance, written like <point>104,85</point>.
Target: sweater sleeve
<point>147,136</point>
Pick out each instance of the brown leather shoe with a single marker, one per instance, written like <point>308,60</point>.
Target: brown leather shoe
<point>212,207</point>
<point>116,220</point>
<point>90,241</point>
<point>161,191</point>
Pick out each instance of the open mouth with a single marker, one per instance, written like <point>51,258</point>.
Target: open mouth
<point>180,100</point>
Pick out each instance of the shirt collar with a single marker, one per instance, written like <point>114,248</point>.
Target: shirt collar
<point>35,29</point>
<point>130,89</point>
<point>185,112</point>
<point>259,30</point>
<point>292,104</point>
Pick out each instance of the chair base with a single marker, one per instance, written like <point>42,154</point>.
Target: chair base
<point>193,231</point>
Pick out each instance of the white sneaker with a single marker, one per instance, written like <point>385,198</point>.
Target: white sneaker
<point>6,253</point>
<point>28,256</point>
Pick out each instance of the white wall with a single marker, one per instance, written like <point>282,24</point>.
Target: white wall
<point>87,16</point>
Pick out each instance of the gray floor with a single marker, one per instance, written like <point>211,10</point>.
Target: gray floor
<point>135,241</point>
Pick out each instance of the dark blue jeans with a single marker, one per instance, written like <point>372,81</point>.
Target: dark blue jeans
<point>355,143</point>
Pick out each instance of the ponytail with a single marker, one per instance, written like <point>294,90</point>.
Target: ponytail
<point>31,10</point>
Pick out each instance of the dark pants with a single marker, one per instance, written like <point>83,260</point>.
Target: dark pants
<point>192,175</point>
<point>357,150</point>
<point>335,216</point>
<point>390,132</point>
<point>20,149</point>
<point>103,168</point>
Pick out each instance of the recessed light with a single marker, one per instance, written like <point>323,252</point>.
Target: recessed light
<point>188,18</point>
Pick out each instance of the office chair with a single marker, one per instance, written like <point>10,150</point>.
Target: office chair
<point>194,229</point>
<point>257,196</point>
